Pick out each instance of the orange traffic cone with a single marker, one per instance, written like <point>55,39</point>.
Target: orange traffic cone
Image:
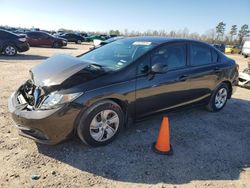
<point>163,146</point>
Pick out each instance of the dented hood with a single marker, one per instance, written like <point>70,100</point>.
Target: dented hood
<point>56,70</point>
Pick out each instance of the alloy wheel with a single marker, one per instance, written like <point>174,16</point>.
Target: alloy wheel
<point>10,50</point>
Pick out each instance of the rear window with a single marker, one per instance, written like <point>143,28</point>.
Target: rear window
<point>200,55</point>
<point>215,56</point>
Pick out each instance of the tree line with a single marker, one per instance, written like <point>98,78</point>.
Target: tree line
<point>215,35</point>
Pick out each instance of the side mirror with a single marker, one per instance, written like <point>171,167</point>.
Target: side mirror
<point>159,68</point>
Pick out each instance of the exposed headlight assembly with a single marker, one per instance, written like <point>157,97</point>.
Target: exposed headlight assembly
<point>54,99</point>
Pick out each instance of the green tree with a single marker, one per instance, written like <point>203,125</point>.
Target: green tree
<point>114,32</point>
<point>233,31</point>
<point>220,30</point>
<point>243,32</point>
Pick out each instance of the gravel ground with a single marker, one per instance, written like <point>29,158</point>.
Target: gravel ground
<point>210,149</point>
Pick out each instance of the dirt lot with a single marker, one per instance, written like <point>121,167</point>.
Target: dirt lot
<point>210,149</point>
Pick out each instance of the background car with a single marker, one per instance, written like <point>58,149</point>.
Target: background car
<point>99,37</point>
<point>220,47</point>
<point>38,38</point>
<point>232,49</point>
<point>11,43</point>
<point>246,49</point>
<point>98,43</point>
<point>72,37</point>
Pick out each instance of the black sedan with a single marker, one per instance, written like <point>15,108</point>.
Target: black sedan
<point>72,37</point>
<point>11,43</point>
<point>96,93</point>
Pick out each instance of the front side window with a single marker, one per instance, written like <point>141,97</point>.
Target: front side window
<point>118,54</point>
<point>200,55</point>
<point>173,55</point>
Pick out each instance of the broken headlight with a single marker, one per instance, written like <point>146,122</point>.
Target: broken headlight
<point>54,99</point>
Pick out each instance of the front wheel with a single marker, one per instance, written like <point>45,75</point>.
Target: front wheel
<point>78,42</point>
<point>57,45</point>
<point>10,50</point>
<point>101,123</point>
<point>219,98</point>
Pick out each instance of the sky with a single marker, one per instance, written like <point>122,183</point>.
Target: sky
<point>104,15</point>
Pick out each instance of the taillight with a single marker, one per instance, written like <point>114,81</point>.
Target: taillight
<point>237,67</point>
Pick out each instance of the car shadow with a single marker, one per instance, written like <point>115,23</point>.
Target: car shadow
<point>63,47</point>
<point>207,146</point>
<point>22,57</point>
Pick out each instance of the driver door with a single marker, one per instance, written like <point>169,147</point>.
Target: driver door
<point>156,92</point>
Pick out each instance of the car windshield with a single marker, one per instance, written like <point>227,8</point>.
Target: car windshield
<point>118,54</point>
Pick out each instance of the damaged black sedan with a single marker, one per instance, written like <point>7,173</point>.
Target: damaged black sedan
<point>95,94</point>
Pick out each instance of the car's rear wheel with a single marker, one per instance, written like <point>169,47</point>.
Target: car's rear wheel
<point>219,98</point>
<point>101,123</point>
<point>10,50</point>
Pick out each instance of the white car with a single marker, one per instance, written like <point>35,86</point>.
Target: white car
<point>244,77</point>
<point>246,49</point>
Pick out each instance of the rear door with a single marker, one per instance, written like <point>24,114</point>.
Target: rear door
<point>33,38</point>
<point>157,92</point>
<point>205,71</point>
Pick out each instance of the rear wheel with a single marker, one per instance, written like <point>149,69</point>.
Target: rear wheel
<point>219,98</point>
<point>101,123</point>
<point>10,50</point>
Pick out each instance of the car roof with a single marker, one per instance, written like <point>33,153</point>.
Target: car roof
<point>161,40</point>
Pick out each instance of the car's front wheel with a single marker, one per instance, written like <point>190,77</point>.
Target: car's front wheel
<point>57,45</point>
<point>101,123</point>
<point>10,50</point>
<point>219,98</point>
<point>78,42</point>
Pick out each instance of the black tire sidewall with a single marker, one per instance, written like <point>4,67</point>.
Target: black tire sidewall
<point>212,101</point>
<point>84,123</point>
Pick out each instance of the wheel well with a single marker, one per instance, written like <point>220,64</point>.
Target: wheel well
<point>121,104</point>
<point>229,85</point>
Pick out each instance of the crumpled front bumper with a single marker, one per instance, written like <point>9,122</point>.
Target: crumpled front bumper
<point>43,126</point>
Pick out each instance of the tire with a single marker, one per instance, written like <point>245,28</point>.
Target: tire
<point>246,56</point>
<point>78,42</point>
<point>94,127</point>
<point>10,50</point>
<point>56,45</point>
<point>218,99</point>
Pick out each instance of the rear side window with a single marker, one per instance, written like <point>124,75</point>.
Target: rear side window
<point>200,55</point>
<point>33,35</point>
<point>215,56</point>
<point>173,55</point>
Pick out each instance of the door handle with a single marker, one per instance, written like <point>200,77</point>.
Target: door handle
<point>183,78</point>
